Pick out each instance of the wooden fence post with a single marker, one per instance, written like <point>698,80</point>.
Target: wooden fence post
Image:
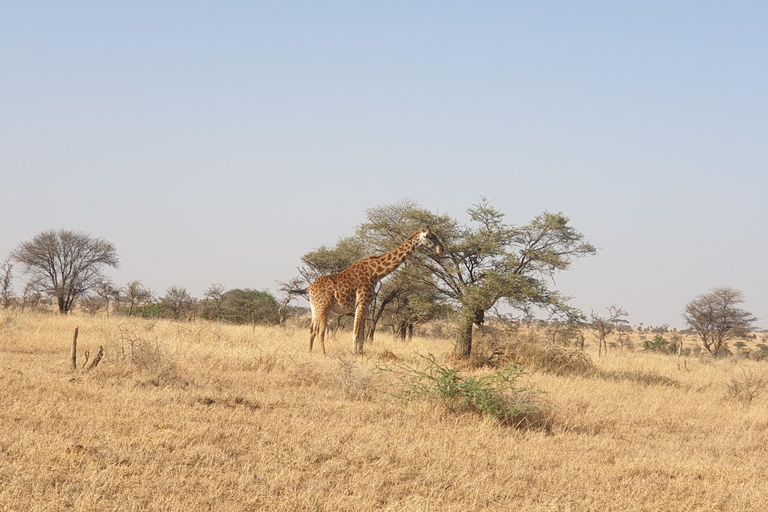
<point>74,349</point>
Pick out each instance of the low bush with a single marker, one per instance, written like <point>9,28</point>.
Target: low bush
<point>658,344</point>
<point>495,395</point>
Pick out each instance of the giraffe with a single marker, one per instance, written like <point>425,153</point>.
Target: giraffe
<point>352,289</point>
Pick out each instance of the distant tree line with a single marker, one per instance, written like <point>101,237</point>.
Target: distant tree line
<point>66,266</point>
<point>487,262</point>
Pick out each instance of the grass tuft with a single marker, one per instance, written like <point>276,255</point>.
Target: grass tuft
<point>745,386</point>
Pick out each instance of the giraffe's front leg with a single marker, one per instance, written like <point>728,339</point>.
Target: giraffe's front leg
<point>358,333</point>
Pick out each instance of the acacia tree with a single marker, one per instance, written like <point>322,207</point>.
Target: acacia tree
<point>717,318</point>
<point>65,264</point>
<point>136,294</point>
<point>605,325</point>
<point>487,261</point>
<point>105,291</point>
<point>331,260</point>
<point>248,306</point>
<point>413,302</point>
<point>177,303</point>
<point>212,301</point>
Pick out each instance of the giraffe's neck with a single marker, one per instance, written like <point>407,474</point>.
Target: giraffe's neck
<point>388,262</point>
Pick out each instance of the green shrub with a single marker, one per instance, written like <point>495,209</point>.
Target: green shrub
<point>148,310</point>
<point>243,306</point>
<point>495,395</point>
<point>657,344</point>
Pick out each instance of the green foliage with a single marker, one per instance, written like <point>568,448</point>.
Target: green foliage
<point>148,310</point>
<point>247,306</point>
<point>331,260</point>
<point>495,395</point>
<point>487,260</point>
<point>657,344</point>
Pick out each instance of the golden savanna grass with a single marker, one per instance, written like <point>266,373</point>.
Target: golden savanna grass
<point>205,416</point>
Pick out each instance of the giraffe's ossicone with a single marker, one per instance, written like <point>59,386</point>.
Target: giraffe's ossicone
<point>352,289</point>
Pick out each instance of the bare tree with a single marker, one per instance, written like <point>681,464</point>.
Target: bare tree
<point>136,294</point>
<point>603,326</point>
<point>563,332</point>
<point>105,291</point>
<point>29,295</point>
<point>295,286</point>
<point>6,283</point>
<point>716,317</point>
<point>178,303</point>
<point>213,295</point>
<point>91,303</point>
<point>65,264</point>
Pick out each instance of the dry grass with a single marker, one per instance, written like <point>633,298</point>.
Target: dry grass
<point>199,416</point>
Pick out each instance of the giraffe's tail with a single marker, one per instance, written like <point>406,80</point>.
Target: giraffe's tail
<point>302,291</point>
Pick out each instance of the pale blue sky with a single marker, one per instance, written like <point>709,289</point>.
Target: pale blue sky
<point>219,142</point>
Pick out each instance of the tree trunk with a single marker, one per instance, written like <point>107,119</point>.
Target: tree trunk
<point>370,329</point>
<point>376,310</point>
<point>400,329</point>
<point>464,340</point>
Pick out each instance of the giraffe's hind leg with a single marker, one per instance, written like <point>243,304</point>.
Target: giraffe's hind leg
<point>311,333</point>
<point>312,326</point>
<point>317,328</point>
<point>321,327</point>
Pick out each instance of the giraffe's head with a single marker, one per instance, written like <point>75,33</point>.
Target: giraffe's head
<point>428,239</point>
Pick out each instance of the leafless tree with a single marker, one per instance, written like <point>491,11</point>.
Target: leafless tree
<point>105,291</point>
<point>91,303</point>
<point>65,264</point>
<point>563,332</point>
<point>717,318</point>
<point>29,295</point>
<point>295,286</point>
<point>604,326</point>
<point>136,294</point>
<point>178,303</point>
<point>6,283</point>
<point>214,295</point>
